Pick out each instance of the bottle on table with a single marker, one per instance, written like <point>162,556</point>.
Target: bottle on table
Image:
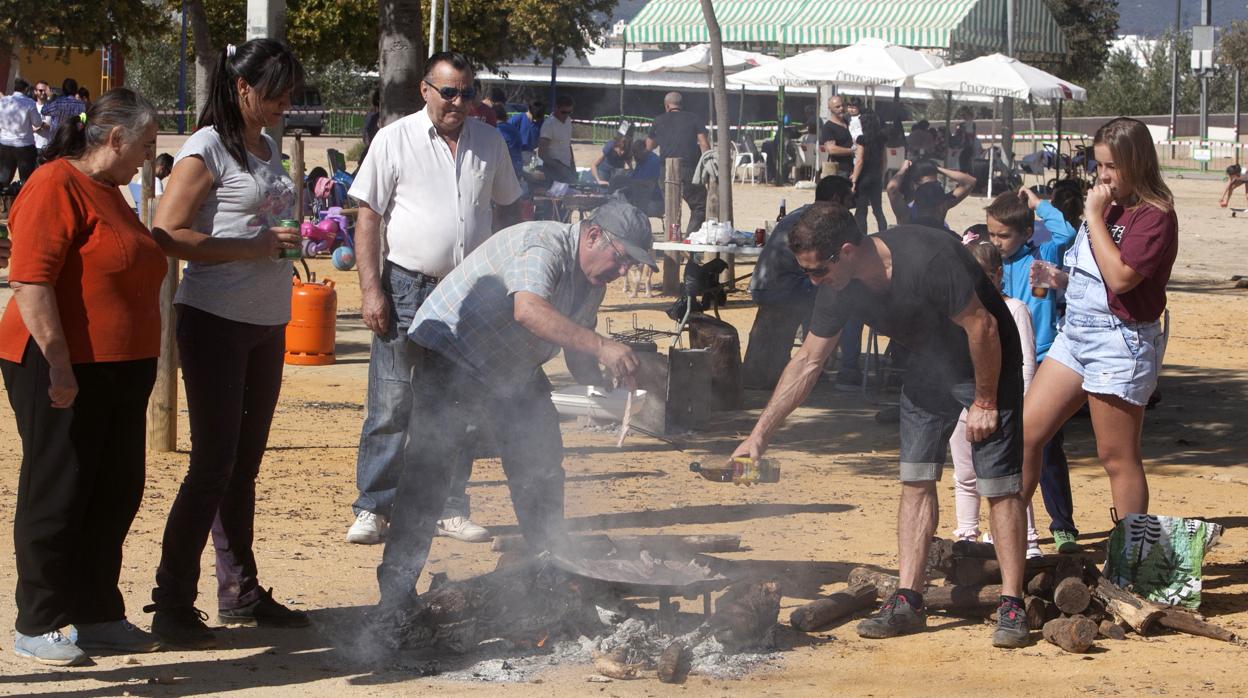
<point>783,211</point>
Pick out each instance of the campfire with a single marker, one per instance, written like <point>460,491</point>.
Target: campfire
<point>563,609</point>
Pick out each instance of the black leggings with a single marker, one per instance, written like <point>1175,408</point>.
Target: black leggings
<point>869,194</point>
<point>79,487</point>
<point>233,374</point>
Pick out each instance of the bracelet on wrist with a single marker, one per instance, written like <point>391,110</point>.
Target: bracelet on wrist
<point>985,405</point>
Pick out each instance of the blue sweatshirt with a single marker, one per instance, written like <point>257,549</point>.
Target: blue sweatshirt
<point>1016,275</point>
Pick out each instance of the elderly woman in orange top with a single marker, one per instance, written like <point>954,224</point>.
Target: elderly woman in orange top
<point>78,347</point>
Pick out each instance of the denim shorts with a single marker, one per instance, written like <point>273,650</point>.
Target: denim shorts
<point>1113,357</point>
<point>928,417</point>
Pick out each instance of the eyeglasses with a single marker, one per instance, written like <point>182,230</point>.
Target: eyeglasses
<point>620,258</point>
<point>823,269</point>
<point>450,93</point>
<point>565,112</point>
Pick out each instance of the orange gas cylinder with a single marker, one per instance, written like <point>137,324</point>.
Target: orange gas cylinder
<point>313,313</point>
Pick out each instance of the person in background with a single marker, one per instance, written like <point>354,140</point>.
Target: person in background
<point>917,196</point>
<point>1108,352</point>
<point>966,497</point>
<point>78,348</point>
<point>785,297</point>
<point>220,212</point>
<point>1234,179</point>
<point>372,120</point>
<point>511,136</point>
<point>965,140</point>
<point>555,143</point>
<point>19,121</point>
<point>84,96</point>
<point>645,183</point>
<point>614,159</point>
<point>870,157</point>
<point>681,134</point>
<point>481,109</point>
<point>66,106</point>
<point>431,181</point>
<point>496,97</point>
<point>530,126</point>
<point>920,141</point>
<point>834,139</point>
<point>853,114</point>
<point>161,167</point>
<point>43,94</point>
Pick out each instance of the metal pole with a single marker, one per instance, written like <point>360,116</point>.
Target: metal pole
<point>182,75</point>
<point>779,153</point>
<point>1174,77</point>
<point>446,25</point>
<point>554,72</point>
<point>1007,105</point>
<point>1237,148</point>
<point>1205,19</point>
<point>433,26</point>
<point>623,62</point>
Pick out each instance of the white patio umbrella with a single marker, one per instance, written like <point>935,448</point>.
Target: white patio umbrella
<point>870,61</point>
<point>697,59</point>
<point>997,76</point>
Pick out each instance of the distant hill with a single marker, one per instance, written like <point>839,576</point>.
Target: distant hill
<point>1153,17</point>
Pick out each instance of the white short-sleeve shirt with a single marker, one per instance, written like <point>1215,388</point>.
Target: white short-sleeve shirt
<point>560,135</point>
<point>436,205</point>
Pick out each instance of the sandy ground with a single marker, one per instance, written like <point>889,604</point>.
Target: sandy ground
<point>833,510</point>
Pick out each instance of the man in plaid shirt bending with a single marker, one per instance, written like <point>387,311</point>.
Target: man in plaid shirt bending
<point>483,335</point>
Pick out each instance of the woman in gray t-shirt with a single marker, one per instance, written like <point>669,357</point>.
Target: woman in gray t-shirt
<point>220,212</point>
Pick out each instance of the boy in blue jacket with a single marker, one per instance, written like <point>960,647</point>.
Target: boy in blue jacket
<point>1011,219</point>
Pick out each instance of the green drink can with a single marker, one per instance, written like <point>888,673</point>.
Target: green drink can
<point>291,253</point>
<point>4,231</point>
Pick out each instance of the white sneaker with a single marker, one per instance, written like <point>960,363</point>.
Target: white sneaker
<point>1033,550</point>
<point>462,528</point>
<point>368,529</point>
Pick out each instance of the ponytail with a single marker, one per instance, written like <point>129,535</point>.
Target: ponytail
<point>264,64</point>
<point>118,108</point>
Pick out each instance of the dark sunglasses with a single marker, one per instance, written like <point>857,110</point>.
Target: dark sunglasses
<point>450,93</point>
<point>822,270</point>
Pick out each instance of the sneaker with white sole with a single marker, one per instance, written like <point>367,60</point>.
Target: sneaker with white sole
<point>368,529</point>
<point>49,648</point>
<point>462,528</point>
<point>1034,551</point>
<point>116,636</point>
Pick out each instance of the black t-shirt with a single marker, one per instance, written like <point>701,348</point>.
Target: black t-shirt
<point>676,132</point>
<point>933,279</point>
<point>839,135</point>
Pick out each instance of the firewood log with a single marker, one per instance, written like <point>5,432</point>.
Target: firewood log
<point>1112,631</point>
<point>940,557</point>
<point>961,598</point>
<point>746,617</point>
<point>1036,612</point>
<point>615,665</point>
<point>885,584</point>
<point>1076,634</point>
<point>822,612</point>
<point>1071,595</point>
<point>975,571</point>
<point>1041,584</point>
<point>675,662</point>
<point>1184,622</point>
<point>1138,613</point>
<point>970,548</point>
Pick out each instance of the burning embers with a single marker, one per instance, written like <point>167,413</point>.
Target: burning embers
<point>552,610</point>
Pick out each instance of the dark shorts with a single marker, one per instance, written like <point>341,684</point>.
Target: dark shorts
<point>928,417</point>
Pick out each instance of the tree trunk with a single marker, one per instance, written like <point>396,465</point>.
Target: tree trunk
<point>205,54</point>
<point>720,90</point>
<point>401,61</point>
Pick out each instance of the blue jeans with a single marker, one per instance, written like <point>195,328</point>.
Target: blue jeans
<point>384,435</point>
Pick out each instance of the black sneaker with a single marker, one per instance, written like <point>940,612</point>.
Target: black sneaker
<point>264,612</point>
<point>896,617</point>
<point>1012,629</point>
<point>182,627</point>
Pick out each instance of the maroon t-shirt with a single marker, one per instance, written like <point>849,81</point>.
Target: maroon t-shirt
<point>1148,241</point>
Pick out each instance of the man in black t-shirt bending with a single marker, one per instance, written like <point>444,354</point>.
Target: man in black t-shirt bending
<point>681,134</point>
<point>920,287</point>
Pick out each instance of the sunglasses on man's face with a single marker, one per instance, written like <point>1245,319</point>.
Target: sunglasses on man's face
<point>450,93</point>
<point>823,269</point>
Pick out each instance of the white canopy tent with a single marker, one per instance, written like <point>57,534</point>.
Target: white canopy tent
<point>997,76</point>
<point>869,62</point>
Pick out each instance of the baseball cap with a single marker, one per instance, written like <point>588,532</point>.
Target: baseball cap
<point>629,226</point>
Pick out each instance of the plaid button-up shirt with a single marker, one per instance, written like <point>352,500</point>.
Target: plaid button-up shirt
<point>62,107</point>
<point>470,316</point>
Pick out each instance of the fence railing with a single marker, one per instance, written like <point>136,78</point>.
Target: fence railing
<point>335,121</point>
<point>604,128</point>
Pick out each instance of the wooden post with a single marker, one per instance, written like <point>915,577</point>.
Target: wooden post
<point>298,175</point>
<point>671,217</point>
<point>162,407</point>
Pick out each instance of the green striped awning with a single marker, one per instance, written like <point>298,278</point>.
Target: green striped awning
<point>976,25</point>
<point>740,21</point>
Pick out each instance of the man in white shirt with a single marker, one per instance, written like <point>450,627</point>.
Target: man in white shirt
<point>431,178</point>
<point>43,93</point>
<point>19,119</point>
<point>554,146</point>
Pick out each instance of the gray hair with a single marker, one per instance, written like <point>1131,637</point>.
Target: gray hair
<point>120,108</point>
<point>673,98</point>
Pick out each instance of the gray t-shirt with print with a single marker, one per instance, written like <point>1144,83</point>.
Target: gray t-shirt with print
<point>240,205</point>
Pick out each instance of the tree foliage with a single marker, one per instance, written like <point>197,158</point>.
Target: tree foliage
<point>1233,46</point>
<point>1089,26</point>
<point>80,24</point>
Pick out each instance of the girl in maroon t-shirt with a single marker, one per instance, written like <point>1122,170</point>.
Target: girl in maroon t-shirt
<point>1109,349</point>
